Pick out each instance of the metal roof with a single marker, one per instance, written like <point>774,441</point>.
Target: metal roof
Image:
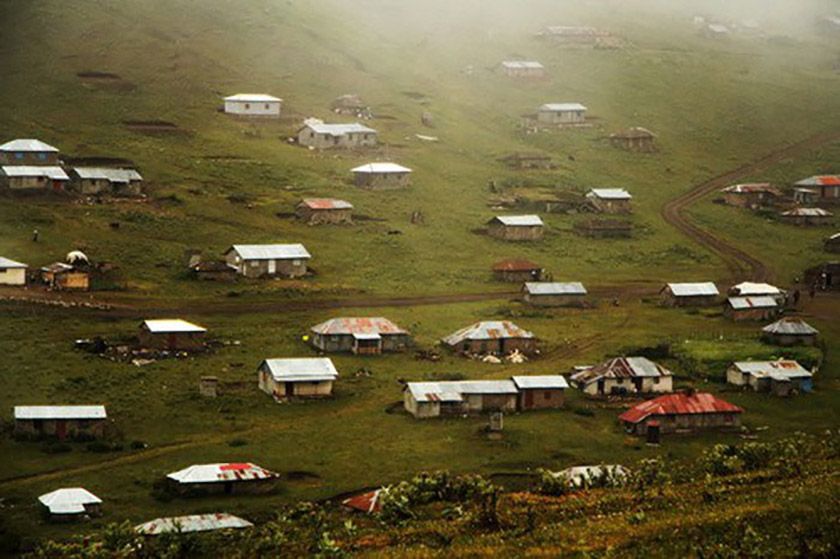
<point>326,204</point>
<point>759,302</point>
<point>103,173</point>
<point>454,391</point>
<point>555,288</point>
<point>28,145</point>
<point>621,367</point>
<point>807,212</point>
<point>609,194</point>
<point>679,404</point>
<point>516,265</point>
<point>192,523</point>
<point>381,168</point>
<point>718,28</point>
<point>254,98</point>
<point>780,370</point>
<point>216,473</point>
<point>488,330</point>
<point>171,326</point>
<point>693,289</point>
<point>60,412</point>
<point>562,107</point>
<point>338,129</point>
<point>752,188</point>
<point>522,64</point>
<point>791,326</point>
<point>294,251</point>
<point>820,180</point>
<point>519,220</point>
<point>540,382</point>
<point>51,172</point>
<point>748,288</point>
<point>70,500</point>
<point>357,325</point>
<point>6,263</point>
<point>368,502</point>
<point>301,369</point>
<point>580,476</point>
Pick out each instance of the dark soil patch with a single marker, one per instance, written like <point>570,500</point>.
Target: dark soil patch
<point>105,81</point>
<point>98,161</point>
<point>395,407</point>
<point>301,475</point>
<point>362,217</point>
<point>479,231</point>
<point>153,126</point>
<point>286,215</point>
<point>94,75</point>
<point>514,481</point>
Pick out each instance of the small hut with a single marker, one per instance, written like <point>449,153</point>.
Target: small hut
<point>527,160</point>
<point>171,335</point>
<point>516,227</point>
<point>493,336</point>
<point>690,294</point>
<point>782,378</point>
<point>517,270</point>
<point>828,186</point>
<point>762,307</point>
<point>623,375</point>
<point>322,211</point>
<point>561,114</point>
<point>227,478</point>
<point>554,294</point>
<point>270,260</point>
<point>253,104</point>
<point>12,272</point>
<point>65,277</point>
<point>634,139</point>
<point>316,134</point>
<point>523,69</point>
<point>807,216</point>
<point>832,243</point>
<point>694,411</point>
<point>28,152</point>
<point>610,200</point>
<point>540,391</point>
<point>360,335</point>
<point>751,195</point>
<point>604,228</point>
<point>297,377</point>
<point>70,503</point>
<point>382,176</point>
<point>790,331</point>
<point>61,422</point>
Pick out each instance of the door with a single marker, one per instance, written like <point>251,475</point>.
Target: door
<point>290,389</point>
<point>529,399</point>
<point>171,341</point>
<point>600,386</point>
<point>272,267</point>
<point>60,429</point>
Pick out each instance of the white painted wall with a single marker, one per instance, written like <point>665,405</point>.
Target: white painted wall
<point>13,276</point>
<point>266,108</point>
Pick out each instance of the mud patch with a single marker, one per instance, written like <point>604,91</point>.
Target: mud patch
<point>105,80</point>
<point>514,481</point>
<point>362,217</point>
<point>153,127</point>
<point>302,477</point>
<point>286,215</point>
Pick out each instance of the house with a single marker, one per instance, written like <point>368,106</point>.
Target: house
<point>527,160</point>
<point>523,69</point>
<point>322,211</point>
<point>34,177</point>
<point>349,104</point>
<point>807,216</point>
<point>554,294</point>
<point>540,391</point>
<point>517,270</point>
<point>623,375</point>
<point>256,261</point>
<point>828,186</point>
<point>753,289</point>
<point>449,398</point>
<point>61,422</point>
<point>192,523</point>
<point>516,227</point>
<point>498,337</point>
<point>171,335</point>
<point>382,176</point>
<point>65,277</point>
<point>832,243</point>
<point>634,139</point>
<point>227,478</point>
<point>604,228</point>
<point>682,411</point>
<point>316,134</point>
<point>760,307</point>
<point>806,196</point>
<point>790,331</point>
<point>12,272</point>
<point>782,378</point>
<point>561,113</point>
<point>101,180</point>
<point>689,294</point>
<point>297,377</point>
<point>70,503</point>
<point>610,200</point>
<point>362,336</point>
<point>751,195</point>
<point>253,104</point>
<point>28,152</point>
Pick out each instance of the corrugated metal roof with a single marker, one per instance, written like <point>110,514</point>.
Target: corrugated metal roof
<point>820,180</point>
<point>488,330</point>
<point>522,64</point>
<point>454,391</point>
<point>171,326</point>
<point>562,107</point>
<point>791,326</point>
<point>555,288</point>
<point>620,367</point>
<point>192,523</point>
<point>338,129</point>
<point>381,168</point>
<point>609,194</point>
<point>58,268</point>
<point>718,28</point>
<point>6,263</point>
<point>807,212</point>
<point>358,325</point>
<point>748,288</point>
<point>28,145</point>
<point>60,412</point>
<point>679,404</point>
<point>301,369</point>
<point>580,476</point>
<point>540,382</point>
<point>216,473</point>
<point>52,173</point>
<point>103,173</point>
<point>784,368</point>
<point>254,98</point>
<point>365,502</point>
<point>69,500</point>
<point>693,289</point>
<point>752,188</point>
<point>759,302</point>
<point>326,204</point>
<point>294,251</point>
<point>514,265</point>
<point>519,220</point>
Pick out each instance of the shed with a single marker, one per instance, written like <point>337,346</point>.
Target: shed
<point>828,186</point>
<point>561,113</point>
<point>623,375</point>
<point>270,260</point>
<point>382,176</point>
<point>760,307</point>
<point>523,69</point>
<point>716,30</point>
<point>757,289</point>
<point>171,335</point>
<point>321,211</point>
<point>227,478</point>
<point>634,139</point>
<point>316,134</point>
<point>807,216</point>
<point>527,160</point>
<point>349,104</point>
<point>67,277</point>
<point>554,294</point>
<point>12,272</point>
<point>751,195</point>
<point>832,243</point>
<point>790,331</point>
<point>362,336</point>
<point>448,398</point>
<point>34,177</point>
<point>695,411</point>
<point>28,152</point>
<point>516,227</point>
<point>70,503</point>
<point>517,270</point>
<point>604,228</point>
<point>61,422</point>
<point>540,391</point>
<point>303,377</point>
<point>253,104</point>
<point>702,294</point>
<point>782,378</point>
<point>610,200</point>
<point>192,523</point>
<point>102,180</point>
<point>498,337</point>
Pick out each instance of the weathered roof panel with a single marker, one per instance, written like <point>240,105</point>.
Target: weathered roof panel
<point>703,289</point>
<point>526,382</point>
<point>218,473</point>
<point>555,288</point>
<point>60,412</point>
<point>293,251</point>
<point>301,369</point>
<point>679,404</point>
<point>358,325</point>
<point>192,523</point>
<point>488,330</point>
<point>172,326</point>
<point>28,145</point>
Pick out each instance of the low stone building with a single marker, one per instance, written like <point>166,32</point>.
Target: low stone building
<point>497,337</point>
<point>516,227</point>
<point>540,391</point>
<point>695,411</point>
<point>382,176</point>
<point>101,180</point>
<point>361,336</point>
<point>751,195</point>
<point>274,260</point>
<point>28,152</point>
<point>324,211</point>
<point>171,335</point>
<point>61,422</point>
<point>65,277</point>
<point>527,160</point>
<point>790,331</point>
<point>456,398</point>
<point>253,104</point>
<point>34,178</point>
<point>554,294</point>
<point>226,478</point>
<point>297,377</point>
<point>70,503</point>
<point>561,114</point>
<point>517,270</point>
<point>690,294</point>
<point>12,272</point>
<point>807,216</point>
<point>604,228</point>
<point>832,243</point>
<point>610,200</point>
<point>761,307</point>
<point>623,375</point>
<point>523,69</point>
<point>634,139</point>
<point>828,186</point>
<point>316,134</point>
<point>782,378</point>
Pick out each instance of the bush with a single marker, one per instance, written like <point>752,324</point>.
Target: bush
<point>55,447</point>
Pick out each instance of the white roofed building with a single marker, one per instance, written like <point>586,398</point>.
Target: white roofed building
<point>610,200</point>
<point>28,152</point>
<point>253,104</point>
<point>61,422</point>
<point>447,398</point>
<point>382,176</point>
<point>318,135</point>
<point>516,227</point>
<point>34,177</point>
<point>69,503</point>
<point>523,69</point>
<point>561,113</point>
<point>807,216</point>
<point>192,523</point>
<point>303,377</point>
<point>540,391</point>
<point>270,260</point>
<point>359,335</point>
<point>624,375</point>
<point>790,331</point>
<point>783,377</point>
<point>756,307</point>
<point>12,272</point>
<point>698,294</point>
<point>227,478</point>
<point>102,180</point>
<point>172,335</point>
<point>554,294</point>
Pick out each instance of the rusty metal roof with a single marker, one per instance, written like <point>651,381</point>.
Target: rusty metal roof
<point>621,367</point>
<point>820,180</point>
<point>488,330</point>
<point>679,404</point>
<point>515,265</point>
<point>218,473</point>
<point>454,391</point>
<point>791,326</point>
<point>783,368</point>
<point>759,302</point>
<point>326,204</point>
<point>367,503</point>
<point>192,523</point>
<point>358,325</point>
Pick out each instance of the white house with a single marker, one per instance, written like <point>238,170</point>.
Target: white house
<point>254,261</point>
<point>305,377</point>
<point>561,113</point>
<point>70,502</point>
<point>34,177</point>
<point>624,375</point>
<point>28,152</point>
<point>319,135</point>
<point>382,176</point>
<point>782,377</point>
<point>253,104</point>
<point>11,272</point>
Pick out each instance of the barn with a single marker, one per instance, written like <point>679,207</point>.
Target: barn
<point>634,139</point>
<point>538,392</point>
<point>828,186</point>
<point>690,294</point>
<point>171,335</point>
<point>832,243</point>
<point>498,337</point>
<point>623,375</point>
<point>28,152</point>
<point>782,378</point>
<point>454,398</point>
<point>227,478</point>
<point>70,503</point>
<point>517,270</point>
<point>61,422</point>
<point>362,336</point>
<point>561,113</point>
<point>761,307</point>
<point>523,69</point>
<point>382,176</point>
<point>807,216</point>
<point>554,294</point>
<point>275,260</point>
<point>790,331</point>
<point>324,211</point>
<point>610,200</point>
<point>12,272</point>
<point>253,104</point>
<point>751,195</point>
<point>34,177</point>
<point>303,377</point>
<point>65,277</point>
<point>101,180</point>
<point>682,412</point>
<point>318,135</point>
<point>516,227</point>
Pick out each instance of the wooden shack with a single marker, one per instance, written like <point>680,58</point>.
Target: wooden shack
<point>683,411</point>
<point>790,331</point>
<point>751,195</point>
<point>517,270</point>
<point>516,227</point>
<point>761,307</point>
<point>324,211</point>
<point>610,200</point>
<point>297,377</point>
<point>554,294</point>
<point>382,176</point>
<point>101,180</point>
<point>540,392</point>
<point>807,216</point>
<point>171,335</point>
<point>65,277</point>
<point>349,104</point>
<point>361,336</point>
<point>270,260</point>
<point>527,160</point>
<point>636,139</point>
<point>318,135</point>
<point>61,422</point>
<point>498,337</point>
<point>703,294</point>
<point>28,152</point>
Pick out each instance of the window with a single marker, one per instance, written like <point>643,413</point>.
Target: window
<point>295,262</point>
<point>656,380</point>
<point>267,106</point>
<point>247,105</point>
<point>19,155</point>
<point>42,156</point>
<point>547,395</point>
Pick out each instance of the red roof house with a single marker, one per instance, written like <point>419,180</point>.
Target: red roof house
<point>682,411</point>
<point>517,270</point>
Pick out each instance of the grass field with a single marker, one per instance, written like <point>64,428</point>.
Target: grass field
<point>714,106</point>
